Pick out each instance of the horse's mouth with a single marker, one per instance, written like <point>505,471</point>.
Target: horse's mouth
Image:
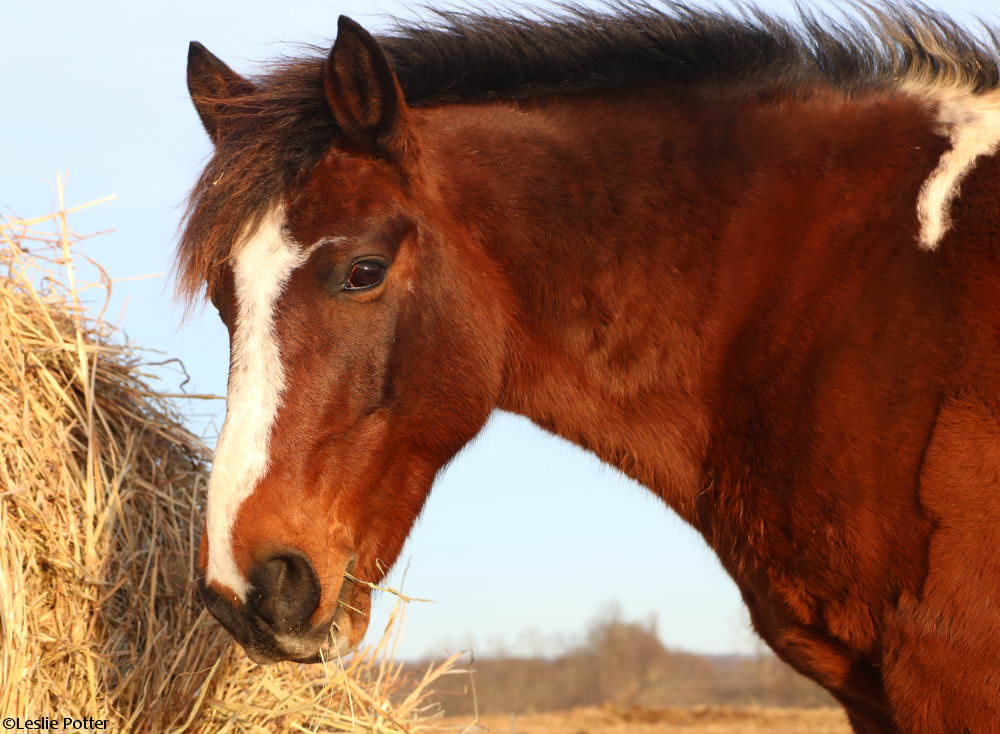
<point>266,658</point>
<point>334,645</point>
<point>286,647</point>
<point>327,641</point>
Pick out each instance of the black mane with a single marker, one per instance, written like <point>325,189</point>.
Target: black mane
<point>283,128</point>
<point>467,57</point>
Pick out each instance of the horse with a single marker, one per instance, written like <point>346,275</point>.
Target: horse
<point>752,263</point>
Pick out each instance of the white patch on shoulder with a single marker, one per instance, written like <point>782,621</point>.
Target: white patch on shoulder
<point>972,123</point>
<point>261,269</point>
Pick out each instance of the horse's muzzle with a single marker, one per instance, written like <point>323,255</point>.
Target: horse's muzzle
<point>274,622</point>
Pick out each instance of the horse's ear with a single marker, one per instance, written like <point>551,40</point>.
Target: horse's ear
<point>363,92</point>
<point>211,83</point>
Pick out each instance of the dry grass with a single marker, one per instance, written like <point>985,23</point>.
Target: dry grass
<point>100,492</point>
<point>610,719</point>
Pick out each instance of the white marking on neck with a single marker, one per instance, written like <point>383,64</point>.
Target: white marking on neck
<point>256,382</point>
<point>972,123</point>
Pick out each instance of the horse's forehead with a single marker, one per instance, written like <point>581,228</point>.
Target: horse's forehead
<point>339,196</point>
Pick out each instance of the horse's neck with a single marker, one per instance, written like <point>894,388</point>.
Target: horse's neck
<point>588,213</point>
<point>612,218</point>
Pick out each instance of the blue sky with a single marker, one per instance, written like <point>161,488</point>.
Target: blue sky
<point>524,537</point>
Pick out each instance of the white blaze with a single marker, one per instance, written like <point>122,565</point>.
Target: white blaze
<point>972,123</point>
<point>261,269</point>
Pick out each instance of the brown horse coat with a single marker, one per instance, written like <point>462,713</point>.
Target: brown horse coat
<point>757,269</point>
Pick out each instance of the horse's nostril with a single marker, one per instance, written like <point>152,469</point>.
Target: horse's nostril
<point>285,592</point>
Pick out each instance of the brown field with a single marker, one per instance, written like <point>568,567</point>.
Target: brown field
<point>610,719</point>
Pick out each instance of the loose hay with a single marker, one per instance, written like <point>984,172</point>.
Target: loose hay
<point>100,505</point>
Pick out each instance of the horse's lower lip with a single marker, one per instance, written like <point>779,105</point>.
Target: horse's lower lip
<point>262,658</point>
<point>306,650</point>
<point>312,659</point>
<point>259,657</point>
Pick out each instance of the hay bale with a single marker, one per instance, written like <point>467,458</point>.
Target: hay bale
<point>100,504</point>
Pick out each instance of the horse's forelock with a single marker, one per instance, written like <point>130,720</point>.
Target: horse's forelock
<point>268,139</point>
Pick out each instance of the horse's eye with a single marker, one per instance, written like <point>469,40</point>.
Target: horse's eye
<point>365,274</point>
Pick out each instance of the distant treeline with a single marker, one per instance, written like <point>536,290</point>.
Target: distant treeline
<point>624,663</point>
